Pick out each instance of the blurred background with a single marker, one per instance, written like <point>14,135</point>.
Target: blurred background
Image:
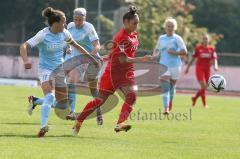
<point>21,19</point>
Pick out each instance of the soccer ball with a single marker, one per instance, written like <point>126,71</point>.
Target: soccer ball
<point>217,83</point>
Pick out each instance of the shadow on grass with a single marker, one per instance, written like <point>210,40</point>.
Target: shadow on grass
<point>20,123</point>
<point>170,142</point>
<point>70,123</point>
<point>55,136</point>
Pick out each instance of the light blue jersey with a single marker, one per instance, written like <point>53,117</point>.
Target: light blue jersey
<point>174,42</point>
<point>50,47</point>
<point>84,36</point>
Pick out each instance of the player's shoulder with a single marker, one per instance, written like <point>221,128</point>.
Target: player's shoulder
<point>70,25</point>
<point>43,32</point>
<point>88,26</point>
<point>162,36</point>
<point>198,46</point>
<point>120,35</point>
<point>211,47</point>
<point>66,32</point>
<point>176,36</point>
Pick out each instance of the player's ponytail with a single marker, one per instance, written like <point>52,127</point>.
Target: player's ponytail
<point>52,15</point>
<point>130,14</point>
<point>132,10</point>
<point>47,12</point>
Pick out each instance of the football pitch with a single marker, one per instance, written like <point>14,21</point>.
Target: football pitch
<point>189,133</point>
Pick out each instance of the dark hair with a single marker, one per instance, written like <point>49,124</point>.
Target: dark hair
<point>130,14</point>
<point>52,15</point>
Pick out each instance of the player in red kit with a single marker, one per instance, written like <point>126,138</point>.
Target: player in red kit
<point>119,73</point>
<point>204,54</point>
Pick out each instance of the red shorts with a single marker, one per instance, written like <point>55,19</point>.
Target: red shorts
<point>109,83</point>
<point>203,74</point>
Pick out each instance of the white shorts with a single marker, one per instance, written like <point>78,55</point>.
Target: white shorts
<point>173,72</point>
<point>58,79</point>
<point>44,75</point>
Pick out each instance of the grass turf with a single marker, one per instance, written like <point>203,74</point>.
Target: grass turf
<point>197,133</point>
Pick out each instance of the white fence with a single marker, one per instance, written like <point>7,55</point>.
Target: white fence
<point>12,67</point>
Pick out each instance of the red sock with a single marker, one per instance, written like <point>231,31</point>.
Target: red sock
<point>89,108</point>
<point>203,96</point>
<point>125,112</point>
<point>130,98</point>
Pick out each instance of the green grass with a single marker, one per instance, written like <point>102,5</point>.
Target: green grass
<point>212,133</point>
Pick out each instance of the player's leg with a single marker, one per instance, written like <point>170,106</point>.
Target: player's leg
<point>204,87</point>
<point>88,109</point>
<point>130,99</point>
<point>73,78</point>
<point>165,83</point>
<point>46,107</point>
<point>92,73</point>
<point>175,75</point>
<point>47,102</point>
<point>105,89</point>
<point>200,77</point>
<point>62,103</point>
<point>33,102</point>
<point>172,92</point>
<point>202,92</point>
<point>92,83</point>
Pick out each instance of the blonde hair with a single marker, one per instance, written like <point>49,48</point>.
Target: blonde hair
<point>80,12</point>
<point>207,35</point>
<point>171,20</point>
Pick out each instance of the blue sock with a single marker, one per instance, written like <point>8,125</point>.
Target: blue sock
<point>72,96</point>
<point>165,93</point>
<point>37,101</point>
<point>172,91</point>
<point>46,108</point>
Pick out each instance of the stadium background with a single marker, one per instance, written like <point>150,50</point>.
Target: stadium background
<point>212,133</point>
<point>105,14</point>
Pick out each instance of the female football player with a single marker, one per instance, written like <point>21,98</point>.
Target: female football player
<point>119,73</point>
<point>204,54</point>
<point>84,34</point>
<point>170,47</point>
<point>51,42</point>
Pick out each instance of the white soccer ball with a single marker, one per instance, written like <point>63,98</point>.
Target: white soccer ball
<point>217,83</point>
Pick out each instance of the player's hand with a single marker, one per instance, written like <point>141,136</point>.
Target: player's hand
<point>172,52</point>
<point>105,58</point>
<point>146,58</point>
<point>27,65</point>
<point>215,69</point>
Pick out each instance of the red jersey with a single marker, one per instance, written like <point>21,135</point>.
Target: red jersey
<point>204,56</point>
<point>124,44</point>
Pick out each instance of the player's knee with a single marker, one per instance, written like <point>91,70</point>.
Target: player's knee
<point>63,104</point>
<point>130,98</point>
<point>48,99</point>
<point>203,86</point>
<point>165,95</point>
<point>165,87</point>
